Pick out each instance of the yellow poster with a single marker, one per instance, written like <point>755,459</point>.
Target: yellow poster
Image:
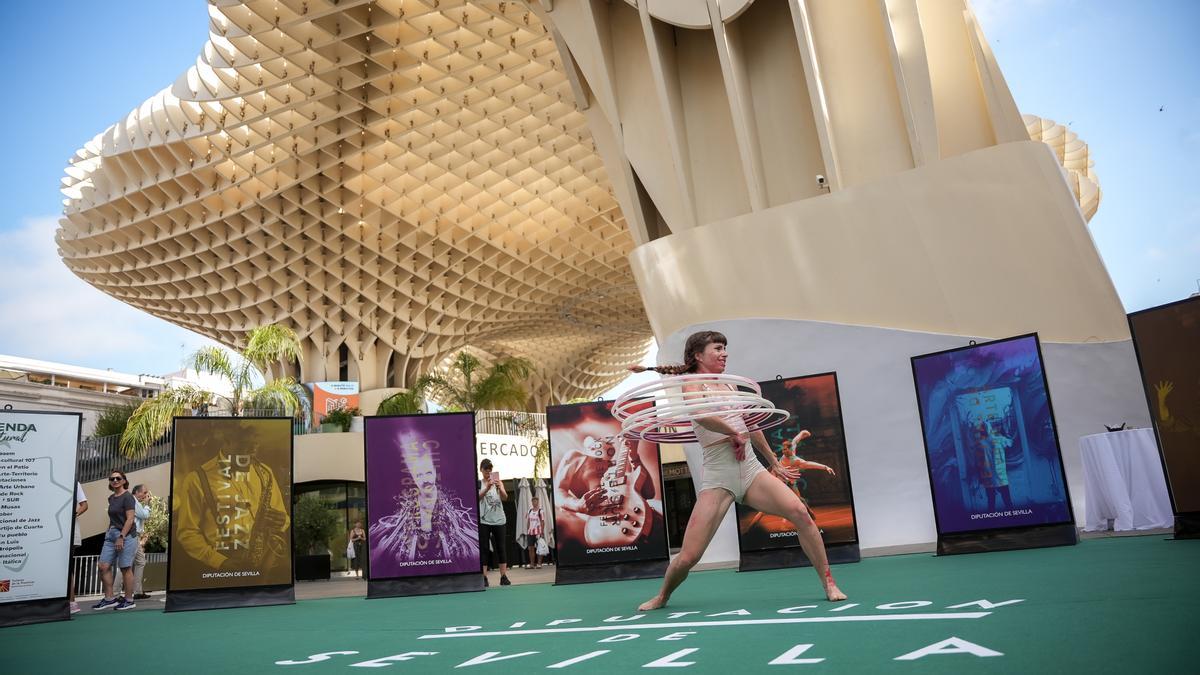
<point>231,501</point>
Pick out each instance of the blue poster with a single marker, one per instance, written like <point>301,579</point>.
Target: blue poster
<point>990,440</point>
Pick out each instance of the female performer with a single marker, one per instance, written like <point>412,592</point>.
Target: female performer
<point>731,473</point>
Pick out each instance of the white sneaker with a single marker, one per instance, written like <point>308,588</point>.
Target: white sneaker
<point>74,607</point>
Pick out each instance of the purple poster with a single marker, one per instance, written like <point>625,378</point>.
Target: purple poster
<point>422,508</point>
<point>990,440</point>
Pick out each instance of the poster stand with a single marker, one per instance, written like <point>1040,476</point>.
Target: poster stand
<point>43,610</point>
<point>433,585</point>
<point>654,557</point>
<point>419,584</point>
<point>229,597</point>
<point>793,556</point>
<point>779,555</point>
<point>621,571</point>
<point>1165,354</point>
<point>1011,539</point>
<point>983,540</point>
<point>1187,526</point>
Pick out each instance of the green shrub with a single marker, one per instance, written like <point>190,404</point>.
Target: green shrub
<point>312,525</point>
<point>112,420</point>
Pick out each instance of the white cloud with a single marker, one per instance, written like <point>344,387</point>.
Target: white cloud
<point>51,314</point>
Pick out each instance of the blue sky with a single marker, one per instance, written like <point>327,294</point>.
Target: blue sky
<point>1105,67</point>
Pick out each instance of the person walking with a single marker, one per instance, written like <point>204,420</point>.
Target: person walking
<point>120,542</point>
<point>357,540</point>
<point>81,506</point>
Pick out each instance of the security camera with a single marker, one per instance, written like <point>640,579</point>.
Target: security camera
<point>820,181</point>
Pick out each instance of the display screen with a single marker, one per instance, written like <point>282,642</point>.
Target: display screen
<point>231,496</point>
<point>607,490</point>
<point>813,442</point>
<point>990,439</point>
<point>422,507</point>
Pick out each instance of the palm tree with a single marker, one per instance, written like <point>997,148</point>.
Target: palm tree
<point>408,402</point>
<point>266,347</point>
<point>460,387</point>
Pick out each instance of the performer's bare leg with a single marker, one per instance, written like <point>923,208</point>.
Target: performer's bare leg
<point>710,508</point>
<point>769,495</point>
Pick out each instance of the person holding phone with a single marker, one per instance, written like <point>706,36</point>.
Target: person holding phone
<point>492,520</point>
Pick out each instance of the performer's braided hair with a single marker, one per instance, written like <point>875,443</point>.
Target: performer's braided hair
<point>692,349</point>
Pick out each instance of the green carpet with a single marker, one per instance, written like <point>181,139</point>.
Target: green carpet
<point>1128,604</point>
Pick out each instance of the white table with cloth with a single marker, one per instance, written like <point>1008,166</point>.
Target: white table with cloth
<point>1123,481</point>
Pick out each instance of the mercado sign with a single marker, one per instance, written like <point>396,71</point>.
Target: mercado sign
<point>511,455</point>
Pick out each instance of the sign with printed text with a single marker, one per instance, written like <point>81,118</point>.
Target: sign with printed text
<point>511,455</point>
<point>37,496</point>
<point>423,511</point>
<point>231,503</point>
<point>990,438</point>
<point>330,396</point>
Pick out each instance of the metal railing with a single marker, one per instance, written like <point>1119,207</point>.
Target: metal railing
<point>85,572</point>
<point>98,456</point>
<point>508,422</point>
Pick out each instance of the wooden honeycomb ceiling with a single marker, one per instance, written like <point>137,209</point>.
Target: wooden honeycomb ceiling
<point>406,176</point>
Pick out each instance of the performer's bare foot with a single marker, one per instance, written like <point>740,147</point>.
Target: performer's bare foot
<point>832,592</point>
<point>656,602</point>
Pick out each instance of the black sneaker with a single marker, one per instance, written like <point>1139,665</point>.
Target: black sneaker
<point>123,604</point>
<point>141,596</point>
<point>504,581</point>
<point>105,603</point>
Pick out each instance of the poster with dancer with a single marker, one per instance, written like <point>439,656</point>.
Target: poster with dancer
<point>990,439</point>
<point>422,507</point>
<point>231,511</point>
<point>1167,339</point>
<point>813,442</point>
<point>37,513</point>
<point>607,491</point>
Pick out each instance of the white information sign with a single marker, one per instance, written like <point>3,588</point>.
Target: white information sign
<point>511,455</point>
<point>37,494</point>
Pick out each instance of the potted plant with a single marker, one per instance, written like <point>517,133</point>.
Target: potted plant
<point>338,419</point>
<point>157,535</point>
<point>356,420</point>
<point>312,526</point>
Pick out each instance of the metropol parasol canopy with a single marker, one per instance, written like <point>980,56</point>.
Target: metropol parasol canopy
<point>395,179</point>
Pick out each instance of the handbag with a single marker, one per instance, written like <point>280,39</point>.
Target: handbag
<point>542,548</point>
<point>350,550</point>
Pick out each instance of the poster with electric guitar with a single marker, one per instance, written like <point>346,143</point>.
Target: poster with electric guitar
<point>607,490</point>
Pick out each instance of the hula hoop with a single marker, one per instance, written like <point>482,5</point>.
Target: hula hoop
<point>661,413</point>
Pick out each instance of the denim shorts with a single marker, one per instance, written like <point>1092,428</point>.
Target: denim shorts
<point>109,553</point>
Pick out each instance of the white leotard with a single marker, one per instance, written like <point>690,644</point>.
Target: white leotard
<point>722,470</point>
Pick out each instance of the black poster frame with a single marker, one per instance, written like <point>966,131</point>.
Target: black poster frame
<point>582,573</point>
<point>1013,537</point>
<point>419,584</point>
<point>791,555</point>
<point>229,597</point>
<point>1187,523</point>
<point>45,610</point>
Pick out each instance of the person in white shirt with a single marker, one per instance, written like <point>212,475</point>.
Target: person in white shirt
<point>80,507</point>
<point>141,513</point>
